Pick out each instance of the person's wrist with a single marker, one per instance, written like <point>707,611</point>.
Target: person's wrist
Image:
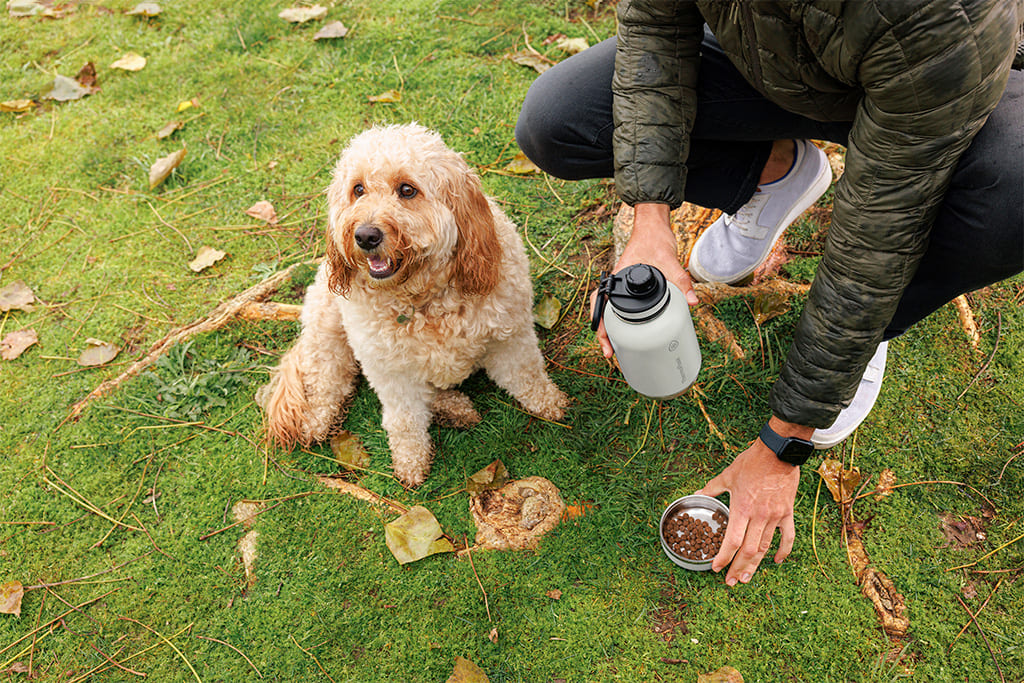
<point>788,442</point>
<point>784,428</point>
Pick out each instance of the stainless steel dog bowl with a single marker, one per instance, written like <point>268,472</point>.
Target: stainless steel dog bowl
<point>699,507</point>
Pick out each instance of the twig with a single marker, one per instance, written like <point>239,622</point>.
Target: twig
<point>57,619</point>
<point>987,644</point>
<point>161,219</point>
<point>84,578</point>
<point>116,663</point>
<point>984,367</point>
<point>961,632</point>
<point>142,480</point>
<point>987,555</point>
<point>81,500</point>
<point>711,425</point>
<point>963,309</point>
<point>241,521</point>
<point>258,673</point>
<point>173,647</point>
<point>647,430</point>
<point>932,481</point>
<point>814,526</point>
<point>101,668</point>
<point>487,607</point>
<point>313,657</point>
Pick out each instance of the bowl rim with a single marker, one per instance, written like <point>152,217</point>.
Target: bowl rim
<point>695,500</point>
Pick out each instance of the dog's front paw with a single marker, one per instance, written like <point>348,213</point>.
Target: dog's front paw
<point>548,402</point>
<point>410,457</point>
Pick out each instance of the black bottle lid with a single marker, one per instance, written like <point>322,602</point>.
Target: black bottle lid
<point>639,288</point>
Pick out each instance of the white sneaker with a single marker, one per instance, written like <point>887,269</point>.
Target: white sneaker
<point>851,416</point>
<point>733,246</point>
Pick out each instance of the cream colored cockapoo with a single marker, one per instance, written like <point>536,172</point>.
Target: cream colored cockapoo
<point>425,281</point>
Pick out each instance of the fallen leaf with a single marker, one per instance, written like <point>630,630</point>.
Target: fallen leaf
<point>169,129</point>
<point>348,450</point>
<point>521,165</point>
<point>186,104</point>
<point>130,62</point>
<point>15,343</point>
<point>386,97</point>
<point>572,45</point>
<point>264,211</point>
<point>17,668</point>
<point>164,166</point>
<point>145,9</point>
<point>546,312</point>
<point>534,60</point>
<point>245,511</point>
<point>494,476</point>
<point>25,8</point>
<point>16,106</point>
<point>17,295</point>
<point>300,15</point>
<point>768,305</point>
<point>841,483</point>
<point>335,29</point>
<point>97,353</point>
<point>886,480</point>
<point>467,672</point>
<point>415,535</point>
<point>247,549</point>
<point>86,76</point>
<point>66,89</point>
<point>493,635</point>
<point>10,598</point>
<point>726,674</point>
<point>962,531</point>
<point>205,257</point>
<point>554,594</point>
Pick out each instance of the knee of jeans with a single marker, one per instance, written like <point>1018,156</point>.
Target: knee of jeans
<point>536,137</point>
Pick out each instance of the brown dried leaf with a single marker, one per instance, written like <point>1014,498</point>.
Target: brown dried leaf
<point>10,598</point>
<point>17,295</point>
<point>415,535</point>
<point>386,97</point>
<point>86,76</point>
<point>15,343</point>
<point>247,549</point>
<point>300,15</point>
<point>130,62</point>
<point>335,29</point>
<point>467,672</point>
<point>962,531</point>
<point>531,59</point>
<point>886,480</point>
<point>493,635</point>
<point>169,129</point>
<point>554,594</point>
<point>264,211</point>
<point>841,483</point>
<point>205,257</point>
<point>349,452</point>
<point>494,476</point>
<point>521,165</point>
<point>726,674</point>
<point>164,166</point>
<point>97,353</point>
<point>16,106</point>
<point>66,89</point>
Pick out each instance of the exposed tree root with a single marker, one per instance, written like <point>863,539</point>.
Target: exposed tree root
<point>248,305</point>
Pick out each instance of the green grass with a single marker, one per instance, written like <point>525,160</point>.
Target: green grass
<point>108,258</point>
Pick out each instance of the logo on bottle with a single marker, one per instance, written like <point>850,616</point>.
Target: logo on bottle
<point>673,345</point>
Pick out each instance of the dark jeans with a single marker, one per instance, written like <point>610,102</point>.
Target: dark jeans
<point>565,127</point>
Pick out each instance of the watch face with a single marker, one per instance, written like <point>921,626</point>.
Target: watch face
<point>799,448</point>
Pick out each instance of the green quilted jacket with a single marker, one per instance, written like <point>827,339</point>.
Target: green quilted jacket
<point>917,78</point>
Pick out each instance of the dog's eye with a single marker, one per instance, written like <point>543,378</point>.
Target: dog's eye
<point>358,190</point>
<point>407,191</point>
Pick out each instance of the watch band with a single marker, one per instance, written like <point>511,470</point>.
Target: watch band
<point>788,449</point>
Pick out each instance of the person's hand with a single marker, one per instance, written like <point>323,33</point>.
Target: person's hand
<point>762,490</point>
<point>651,242</point>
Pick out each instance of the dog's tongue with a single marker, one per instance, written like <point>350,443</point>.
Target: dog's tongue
<point>379,267</point>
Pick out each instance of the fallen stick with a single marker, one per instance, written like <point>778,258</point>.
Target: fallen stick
<point>248,302</point>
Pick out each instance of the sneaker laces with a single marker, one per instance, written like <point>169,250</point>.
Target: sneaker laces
<point>745,219</point>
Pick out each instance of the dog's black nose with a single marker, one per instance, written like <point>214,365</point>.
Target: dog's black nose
<point>368,237</point>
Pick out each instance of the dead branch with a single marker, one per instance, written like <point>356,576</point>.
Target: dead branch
<point>966,315</point>
<point>247,302</point>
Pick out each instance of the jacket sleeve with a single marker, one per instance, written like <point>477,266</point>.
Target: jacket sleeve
<point>929,85</point>
<point>655,101</point>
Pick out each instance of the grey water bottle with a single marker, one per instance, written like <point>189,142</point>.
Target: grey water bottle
<point>649,326</point>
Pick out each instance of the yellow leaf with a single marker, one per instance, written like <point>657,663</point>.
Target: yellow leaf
<point>546,312</point>
<point>349,451</point>
<point>841,483</point>
<point>186,104</point>
<point>415,535</point>
<point>886,480</point>
<point>130,62</point>
<point>494,476</point>
<point>386,97</point>
<point>16,106</point>
<point>572,45</point>
<point>726,674</point>
<point>10,598</point>
<point>521,165</point>
<point>467,672</point>
<point>205,257</point>
<point>163,167</point>
<point>97,353</point>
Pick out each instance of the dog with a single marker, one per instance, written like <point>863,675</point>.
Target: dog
<point>425,280</point>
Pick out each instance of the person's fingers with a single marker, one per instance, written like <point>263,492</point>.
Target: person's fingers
<point>788,536</point>
<point>686,286</point>
<point>731,542</point>
<point>602,336</point>
<point>748,557</point>
<point>714,487</point>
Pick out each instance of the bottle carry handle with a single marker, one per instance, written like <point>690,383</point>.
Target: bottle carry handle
<point>604,288</point>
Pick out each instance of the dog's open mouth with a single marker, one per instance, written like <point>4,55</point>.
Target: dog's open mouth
<point>380,267</point>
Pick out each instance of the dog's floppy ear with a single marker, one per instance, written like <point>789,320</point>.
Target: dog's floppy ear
<point>478,252</point>
<point>339,278</point>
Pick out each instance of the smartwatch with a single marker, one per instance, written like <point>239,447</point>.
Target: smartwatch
<point>788,449</point>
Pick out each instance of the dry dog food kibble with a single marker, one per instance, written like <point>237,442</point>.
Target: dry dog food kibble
<point>694,539</point>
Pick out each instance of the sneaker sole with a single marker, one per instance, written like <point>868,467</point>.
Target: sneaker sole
<point>823,439</point>
<point>812,193</point>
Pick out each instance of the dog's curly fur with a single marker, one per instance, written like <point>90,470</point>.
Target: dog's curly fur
<point>425,281</point>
